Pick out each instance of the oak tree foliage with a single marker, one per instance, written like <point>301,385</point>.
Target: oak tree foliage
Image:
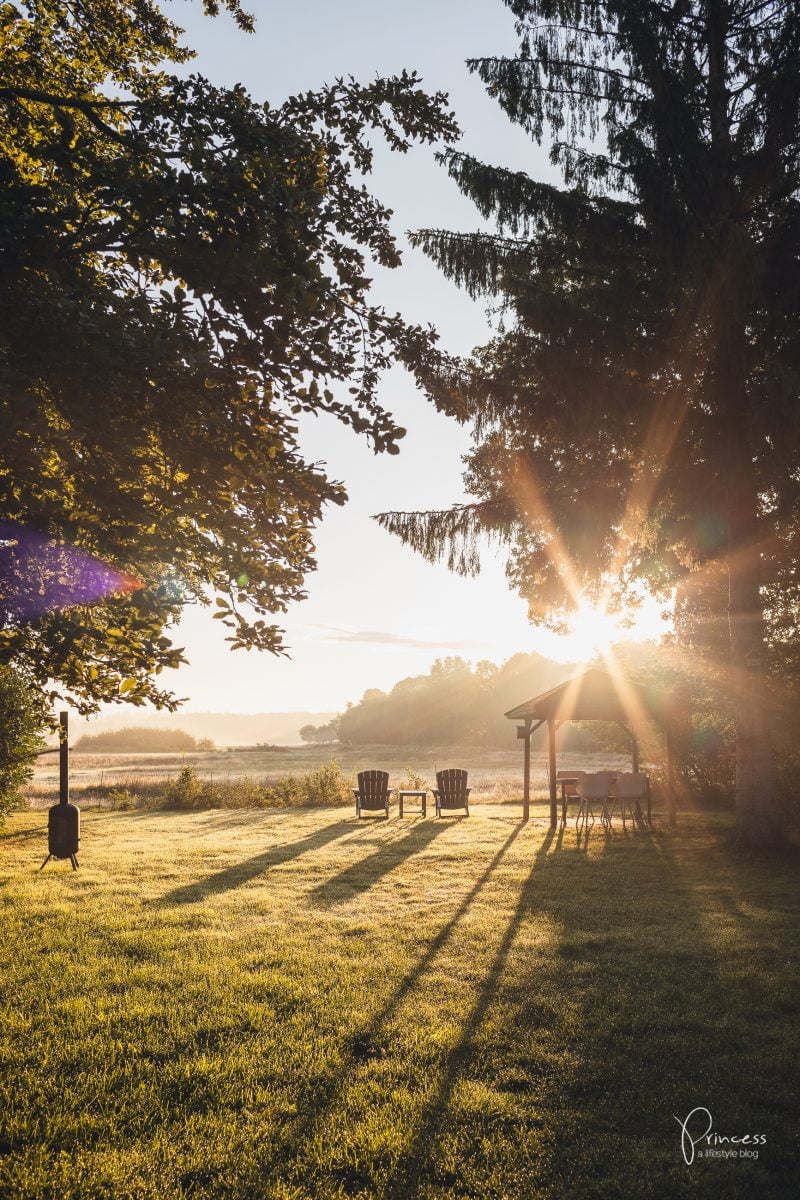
<point>183,272</point>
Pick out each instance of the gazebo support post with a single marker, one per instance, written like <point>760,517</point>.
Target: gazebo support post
<point>672,810</point>
<point>526,772</point>
<point>551,752</point>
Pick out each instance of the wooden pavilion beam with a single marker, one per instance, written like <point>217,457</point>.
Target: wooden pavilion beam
<point>551,753</point>
<point>669,754</point>
<point>631,732</point>
<point>526,772</point>
<point>530,729</point>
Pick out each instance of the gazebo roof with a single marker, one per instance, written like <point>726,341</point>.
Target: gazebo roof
<point>597,695</point>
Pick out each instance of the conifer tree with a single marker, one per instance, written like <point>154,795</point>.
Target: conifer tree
<point>637,418</point>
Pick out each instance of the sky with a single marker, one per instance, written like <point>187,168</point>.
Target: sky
<point>375,611</point>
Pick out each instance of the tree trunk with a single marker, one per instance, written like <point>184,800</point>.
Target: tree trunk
<point>759,822</point>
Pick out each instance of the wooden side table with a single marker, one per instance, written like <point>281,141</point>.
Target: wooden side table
<point>421,795</point>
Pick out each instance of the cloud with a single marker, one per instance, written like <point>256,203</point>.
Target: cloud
<point>378,637</point>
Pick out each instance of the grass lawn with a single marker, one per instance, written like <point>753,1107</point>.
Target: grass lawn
<point>292,1005</point>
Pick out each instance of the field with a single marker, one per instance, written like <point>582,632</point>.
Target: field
<point>494,774</point>
<point>294,1006</point>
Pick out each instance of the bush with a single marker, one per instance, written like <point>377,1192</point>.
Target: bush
<point>415,781</point>
<point>123,800</point>
<point>23,717</point>
<point>324,786</point>
<point>787,772</point>
<point>186,791</point>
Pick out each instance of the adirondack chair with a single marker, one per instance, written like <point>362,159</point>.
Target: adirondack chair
<point>373,792</point>
<point>451,790</point>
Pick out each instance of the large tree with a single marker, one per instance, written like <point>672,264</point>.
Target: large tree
<point>183,271</point>
<point>637,417</point>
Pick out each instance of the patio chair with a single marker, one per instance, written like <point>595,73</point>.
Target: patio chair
<point>568,782</point>
<point>451,790</point>
<point>593,788</point>
<point>373,792</point>
<point>631,789</point>
<point>608,804</point>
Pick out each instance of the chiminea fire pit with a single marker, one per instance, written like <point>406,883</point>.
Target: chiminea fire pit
<point>64,819</point>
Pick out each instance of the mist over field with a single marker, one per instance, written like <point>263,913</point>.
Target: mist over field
<point>224,729</point>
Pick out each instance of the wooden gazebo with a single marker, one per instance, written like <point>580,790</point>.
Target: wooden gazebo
<point>596,696</point>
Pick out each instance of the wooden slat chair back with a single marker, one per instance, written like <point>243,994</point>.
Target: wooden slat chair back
<point>372,793</point>
<point>451,790</point>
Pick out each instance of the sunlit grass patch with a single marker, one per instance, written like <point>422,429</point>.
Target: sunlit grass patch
<point>295,1004</point>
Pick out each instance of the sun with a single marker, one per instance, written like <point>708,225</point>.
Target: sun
<point>593,629</point>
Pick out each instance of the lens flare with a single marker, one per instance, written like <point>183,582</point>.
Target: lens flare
<point>39,575</point>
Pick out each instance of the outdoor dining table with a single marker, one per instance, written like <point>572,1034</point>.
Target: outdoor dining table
<point>568,781</point>
<point>571,781</point>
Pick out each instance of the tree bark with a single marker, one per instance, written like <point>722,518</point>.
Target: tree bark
<point>759,821</point>
<point>759,824</point>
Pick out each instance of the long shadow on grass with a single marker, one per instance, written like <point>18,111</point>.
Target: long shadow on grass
<point>242,872</point>
<point>407,1176</point>
<point>361,1047</point>
<point>364,874</point>
<point>623,1023</point>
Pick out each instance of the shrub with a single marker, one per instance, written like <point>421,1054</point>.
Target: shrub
<point>414,781</point>
<point>787,771</point>
<point>244,792</point>
<point>123,800</point>
<point>23,717</point>
<point>186,791</point>
<point>326,785</point>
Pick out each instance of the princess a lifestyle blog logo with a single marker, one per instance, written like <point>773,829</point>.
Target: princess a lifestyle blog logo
<point>699,1140</point>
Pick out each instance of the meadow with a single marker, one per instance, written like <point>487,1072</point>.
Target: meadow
<point>495,774</point>
<point>293,1005</point>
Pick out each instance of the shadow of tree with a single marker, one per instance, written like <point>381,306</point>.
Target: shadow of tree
<point>362,1045</point>
<point>625,1022</point>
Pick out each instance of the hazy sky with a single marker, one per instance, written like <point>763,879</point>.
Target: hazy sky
<point>375,612</point>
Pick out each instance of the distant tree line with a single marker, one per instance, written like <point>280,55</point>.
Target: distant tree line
<point>454,704</point>
<point>458,704</point>
<point>139,739</point>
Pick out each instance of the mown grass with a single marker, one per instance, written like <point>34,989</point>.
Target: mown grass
<point>294,1005</point>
